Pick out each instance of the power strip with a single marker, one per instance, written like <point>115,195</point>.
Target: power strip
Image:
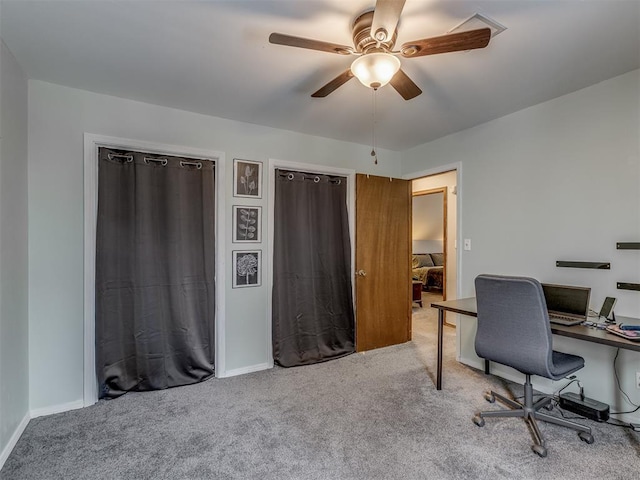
<point>585,407</point>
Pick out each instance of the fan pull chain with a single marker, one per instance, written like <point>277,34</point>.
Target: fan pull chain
<point>373,125</point>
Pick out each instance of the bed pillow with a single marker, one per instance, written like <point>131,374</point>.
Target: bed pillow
<point>422,260</point>
<point>438,259</point>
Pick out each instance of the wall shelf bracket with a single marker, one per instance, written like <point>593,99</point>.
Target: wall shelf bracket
<point>596,265</point>
<point>628,245</point>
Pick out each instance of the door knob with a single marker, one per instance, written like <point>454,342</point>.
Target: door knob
<point>361,273</point>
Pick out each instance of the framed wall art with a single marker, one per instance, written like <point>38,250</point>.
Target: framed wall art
<point>247,224</point>
<point>247,178</point>
<point>247,268</point>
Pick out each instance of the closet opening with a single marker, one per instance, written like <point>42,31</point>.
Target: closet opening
<point>153,266</point>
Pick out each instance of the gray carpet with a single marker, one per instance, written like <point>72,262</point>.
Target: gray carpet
<point>366,416</point>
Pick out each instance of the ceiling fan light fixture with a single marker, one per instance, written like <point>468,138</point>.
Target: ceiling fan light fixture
<point>375,70</point>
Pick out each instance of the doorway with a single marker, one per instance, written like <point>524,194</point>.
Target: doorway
<point>429,240</point>
<point>434,234</point>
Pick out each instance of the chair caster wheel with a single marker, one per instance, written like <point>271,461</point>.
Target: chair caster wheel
<point>488,396</point>
<point>478,420</point>
<point>586,437</point>
<point>539,450</point>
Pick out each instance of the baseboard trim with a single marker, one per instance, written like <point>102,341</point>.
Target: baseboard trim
<point>249,369</point>
<point>14,439</point>
<point>63,407</point>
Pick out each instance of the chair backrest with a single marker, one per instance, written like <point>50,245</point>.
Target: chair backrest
<point>513,324</point>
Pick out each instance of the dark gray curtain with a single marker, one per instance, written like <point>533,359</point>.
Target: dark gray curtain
<point>313,319</point>
<point>155,268</point>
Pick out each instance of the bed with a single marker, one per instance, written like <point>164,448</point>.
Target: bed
<point>428,269</point>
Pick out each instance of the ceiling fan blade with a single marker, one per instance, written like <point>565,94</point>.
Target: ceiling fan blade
<point>405,86</point>
<point>385,19</point>
<point>340,80</point>
<point>453,42</point>
<point>291,41</point>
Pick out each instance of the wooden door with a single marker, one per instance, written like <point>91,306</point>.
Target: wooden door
<point>383,270</point>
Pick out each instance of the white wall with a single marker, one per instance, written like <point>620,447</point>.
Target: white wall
<point>428,219</point>
<point>14,360</point>
<point>422,246</point>
<point>557,181</point>
<point>571,164</point>
<point>449,180</point>
<point>58,118</point>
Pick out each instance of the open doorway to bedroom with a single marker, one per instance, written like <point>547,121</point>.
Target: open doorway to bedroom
<point>428,242</point>
<point>434,234</point>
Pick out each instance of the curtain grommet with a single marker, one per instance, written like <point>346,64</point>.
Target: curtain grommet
<point>125,158</point>
<point>161,161</point>
<point>198,165</point>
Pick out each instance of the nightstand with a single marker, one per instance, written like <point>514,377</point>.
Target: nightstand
<point>417,292</point>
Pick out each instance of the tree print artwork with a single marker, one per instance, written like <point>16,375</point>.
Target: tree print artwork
<point>246,269</point>
<point>247,266</point>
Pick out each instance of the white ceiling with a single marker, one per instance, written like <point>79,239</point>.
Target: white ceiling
<point>213,57</point>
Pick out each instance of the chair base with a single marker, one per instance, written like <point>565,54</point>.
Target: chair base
<point>529,411</point>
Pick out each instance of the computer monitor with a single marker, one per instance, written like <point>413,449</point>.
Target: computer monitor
<point>567,299</point>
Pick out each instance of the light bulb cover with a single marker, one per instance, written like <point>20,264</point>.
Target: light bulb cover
<point>375,70</point>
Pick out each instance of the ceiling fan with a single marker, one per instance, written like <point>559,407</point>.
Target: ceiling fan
<point>374,37</point>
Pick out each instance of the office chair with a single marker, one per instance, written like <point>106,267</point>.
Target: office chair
<point>514,330</point>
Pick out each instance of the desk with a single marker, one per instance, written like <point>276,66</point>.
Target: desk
<point>467,306</point>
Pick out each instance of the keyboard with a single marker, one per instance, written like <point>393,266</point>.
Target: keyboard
<point>564,319</point>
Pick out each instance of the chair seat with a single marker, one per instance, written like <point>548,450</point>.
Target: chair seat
<point>565,364</point>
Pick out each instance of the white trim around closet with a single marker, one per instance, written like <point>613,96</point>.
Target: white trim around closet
<point>351,210</point>
<point>91,144</point>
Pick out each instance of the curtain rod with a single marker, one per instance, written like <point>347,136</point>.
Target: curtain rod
<point>163,161</point>
<point>308,176</point>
